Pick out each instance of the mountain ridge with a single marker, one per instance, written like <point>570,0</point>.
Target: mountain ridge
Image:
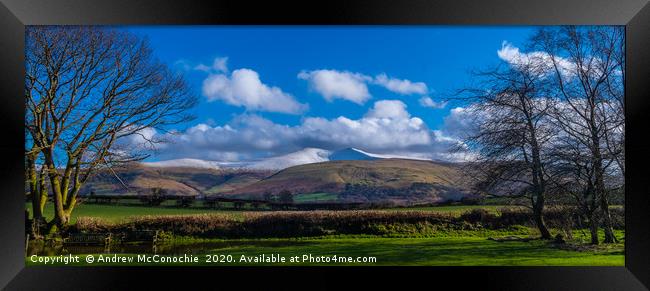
<point>401,181</point>
<point>307,155</point>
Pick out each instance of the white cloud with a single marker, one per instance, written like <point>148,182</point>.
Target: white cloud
<point>426,101</point>
<point>334,84</point>
<point>244,88</point>
<point>399,86</point>
<point>387,128</point>
<point>143,136</point>
<point>202,67</point>
<point>182,64</point>
<point>461,123</point>
<point>540,61</point>
<point>388,109</point>
<point>218,65</point>
<point>380,135</point>
<point>134,139</point>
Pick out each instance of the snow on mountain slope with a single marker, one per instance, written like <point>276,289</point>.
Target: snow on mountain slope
<point>357,154</point>
<point>304,156</point>
<point>351,154</point>
<point>186,163</point>
<point>301,157</point>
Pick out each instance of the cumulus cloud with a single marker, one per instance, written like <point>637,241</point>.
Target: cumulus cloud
<point>400,86</point>
<point>333,84</point>
<point>387,128</point>
<point>218,65</point>
<point>133,140</point>
<point>461,123</point>
<point>388,109</point>
<point>244,88</point>
<point>143,137</point>
<point>426,101</point>
<point>540,61</point>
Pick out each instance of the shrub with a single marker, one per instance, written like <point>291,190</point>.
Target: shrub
<point>155,198</point>
<point>185,201</point>
<point>324,222</point>
<point>90,224</point>
<point>285,196</point>
<point>270,224</point>
<point>479,216</point>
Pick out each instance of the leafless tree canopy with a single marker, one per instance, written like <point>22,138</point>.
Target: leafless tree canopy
<point>86,89</point>
<point>552,123</point>
<point>513,130</point>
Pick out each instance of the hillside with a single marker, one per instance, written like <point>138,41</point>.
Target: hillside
<point>300,157</point>
<point>396,180</point>
<point>175,180</point>
<point>399,181</point>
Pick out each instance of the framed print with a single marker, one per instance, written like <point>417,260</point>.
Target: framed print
<point>385,144</point>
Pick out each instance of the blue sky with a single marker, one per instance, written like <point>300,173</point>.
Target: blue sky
<point>295,71</point>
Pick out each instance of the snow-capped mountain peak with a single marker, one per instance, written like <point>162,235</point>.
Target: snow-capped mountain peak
<point>304,156</point>
<point>301,157</point>
<point>351,154</point>
<point>185,163</point>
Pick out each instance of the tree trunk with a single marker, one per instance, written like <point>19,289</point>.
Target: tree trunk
<point>60,218</point>
<point>43,189</point>
<point>593,227</point>
<point>34,190</point>
<point>607,220</point>
<point>538,216</point>
<point>538,179</point>
<point>601,195</point>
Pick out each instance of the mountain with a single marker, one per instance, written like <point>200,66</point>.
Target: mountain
<point>351,154</point>
<point>355,154</point>
<point>346,175</point>
<point>175,180</point>
<point>400,181</point>
<point>184,163</point>
<point>301,157</point>
<point>366,179</point>
<point>305,156</point>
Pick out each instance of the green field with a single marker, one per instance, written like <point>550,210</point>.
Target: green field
<point>455,209</point>
<point>119,212</point>
<point>448,248</point>
<point>314,197</point>
<point>439,251</point>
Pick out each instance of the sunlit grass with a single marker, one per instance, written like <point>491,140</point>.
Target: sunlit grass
<point>121,212</point>
<point>438,251</point>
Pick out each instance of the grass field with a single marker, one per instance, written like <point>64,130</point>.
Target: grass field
<point>314,197</point>
<point>455,209</point>
<point>442,248</point>
<point>119,212</point>
<point>439,251</point>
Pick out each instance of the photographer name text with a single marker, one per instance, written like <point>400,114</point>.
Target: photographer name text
<point>129,259</point>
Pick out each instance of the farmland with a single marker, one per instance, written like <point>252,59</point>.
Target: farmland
<point>391,244</point>
<point>468,249</point>
<point>120,212</point>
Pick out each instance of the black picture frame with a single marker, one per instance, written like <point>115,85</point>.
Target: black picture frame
<point>634,14</point>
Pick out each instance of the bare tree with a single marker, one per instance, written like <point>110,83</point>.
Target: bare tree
<point>587,65</point>
<point>512,132</point>
<point>573,175</point>
<point>88,90</point>
<point>36,185</point>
